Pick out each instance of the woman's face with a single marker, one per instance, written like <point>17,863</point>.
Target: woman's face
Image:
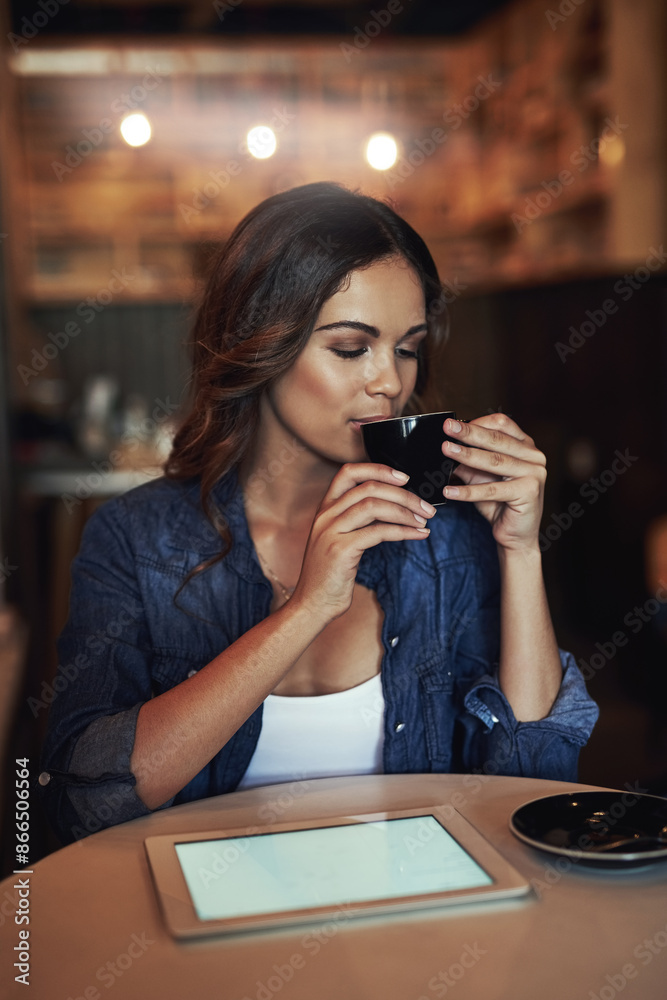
<point>359,364</point>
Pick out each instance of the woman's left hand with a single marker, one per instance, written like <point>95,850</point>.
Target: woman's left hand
<point>504,476</point>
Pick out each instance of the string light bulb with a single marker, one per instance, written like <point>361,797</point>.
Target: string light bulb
<point>136,129</point>
<point>261,141</point>
<point>381,151</point>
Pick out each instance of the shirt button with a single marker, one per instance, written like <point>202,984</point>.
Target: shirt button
<point>399,726</point>
<point>191,673</point>
<point>44,778</point>
<point>393,641</point>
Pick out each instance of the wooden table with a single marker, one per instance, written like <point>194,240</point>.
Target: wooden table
<point>95,925</point>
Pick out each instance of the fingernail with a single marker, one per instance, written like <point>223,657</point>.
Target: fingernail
<point>453,447</point>
<point>419,518</point>
<point>451,491</point>
<point>429,508</point>
<point>424,531</point>
<point>401,476</point>
<point>454,425</point>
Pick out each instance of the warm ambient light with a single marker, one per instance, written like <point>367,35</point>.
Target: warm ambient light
<point>262,142</point>
<point>135,129</point>
<point>381,151</point>
<point>612,153</point>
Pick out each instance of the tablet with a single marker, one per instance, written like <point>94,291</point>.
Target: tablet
<point>250,878</point>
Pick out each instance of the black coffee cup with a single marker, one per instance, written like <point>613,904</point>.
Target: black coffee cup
<point>413,445</point>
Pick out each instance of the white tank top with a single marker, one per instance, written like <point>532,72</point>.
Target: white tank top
<point>319,737</point>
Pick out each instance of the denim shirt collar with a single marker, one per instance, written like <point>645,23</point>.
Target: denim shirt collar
<point>192,532</point>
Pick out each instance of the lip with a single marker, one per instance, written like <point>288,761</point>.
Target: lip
<point>368,420</point>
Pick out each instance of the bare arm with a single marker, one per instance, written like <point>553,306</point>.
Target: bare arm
<point>185,727</point>
<point>530,668</point>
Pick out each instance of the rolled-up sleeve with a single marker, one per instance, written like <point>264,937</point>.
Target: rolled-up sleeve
<point>103,679</point>
<point>545,748</point>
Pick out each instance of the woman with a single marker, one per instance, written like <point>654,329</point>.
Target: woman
<point>277,606</point>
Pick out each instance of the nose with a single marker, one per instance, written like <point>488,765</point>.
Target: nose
<point>385,379</point>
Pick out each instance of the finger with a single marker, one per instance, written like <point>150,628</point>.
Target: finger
<point>490,426</point>
<point>379,532</point>
<point>493,439</point>
<point>517,492</point>
<point>371,488</point>
<point>473,476</point>
<point>369,509</point>
<point>354,473</point>
<point>501,421</point>
<point>495,463</point>
<point>496,432</point>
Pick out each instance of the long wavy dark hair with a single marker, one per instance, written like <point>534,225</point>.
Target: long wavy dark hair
<point>265,289</point>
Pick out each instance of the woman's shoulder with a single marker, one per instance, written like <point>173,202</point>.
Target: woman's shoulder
<point>161,509</point>
<point>158,494</point>
<point>160,490</point>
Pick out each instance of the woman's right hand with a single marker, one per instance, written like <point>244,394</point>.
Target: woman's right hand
<point>363,506</point>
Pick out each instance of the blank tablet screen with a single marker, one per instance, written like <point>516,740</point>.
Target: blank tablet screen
<point>325,866</point>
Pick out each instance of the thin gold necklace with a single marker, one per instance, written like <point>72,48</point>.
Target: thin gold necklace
<point>286,591</point>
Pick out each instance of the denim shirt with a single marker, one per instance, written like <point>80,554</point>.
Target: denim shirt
<point>130,637</point>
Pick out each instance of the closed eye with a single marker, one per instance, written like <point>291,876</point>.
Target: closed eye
<point>401,351</point>
<point>348,354</point>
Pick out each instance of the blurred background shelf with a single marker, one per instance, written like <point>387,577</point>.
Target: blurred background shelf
<point>514,101</point>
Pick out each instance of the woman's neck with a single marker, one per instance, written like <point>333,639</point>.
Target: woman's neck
<point>283,481</point>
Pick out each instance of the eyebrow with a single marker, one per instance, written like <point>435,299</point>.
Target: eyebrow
<point>366,328</point>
